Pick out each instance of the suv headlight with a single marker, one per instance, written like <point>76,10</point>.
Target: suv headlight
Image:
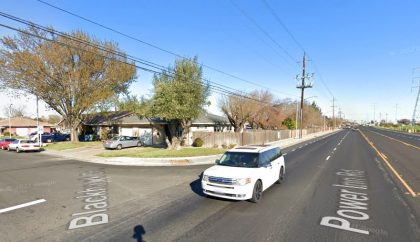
<point>242,181</point>
<point>205,178</point>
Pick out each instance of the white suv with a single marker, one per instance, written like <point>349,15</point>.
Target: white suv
<point>244,173</point>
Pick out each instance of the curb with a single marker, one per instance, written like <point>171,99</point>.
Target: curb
<point>174,161</point>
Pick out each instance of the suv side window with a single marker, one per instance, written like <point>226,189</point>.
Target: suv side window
<point>264,158</point>
<point>277,153</point>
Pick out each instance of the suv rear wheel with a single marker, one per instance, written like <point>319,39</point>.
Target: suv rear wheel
<point>281,175</point>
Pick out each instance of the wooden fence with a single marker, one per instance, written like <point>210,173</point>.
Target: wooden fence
<point>260,137</point>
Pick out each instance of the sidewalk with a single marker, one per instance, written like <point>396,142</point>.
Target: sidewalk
<point>89,156</point>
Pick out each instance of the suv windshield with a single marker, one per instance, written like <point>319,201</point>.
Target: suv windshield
<point>239,159</point>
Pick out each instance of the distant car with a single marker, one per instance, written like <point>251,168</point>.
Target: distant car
<point>23,145</point>
<point>4,143</point>
<point>50,137</point>
<point>120,142</point>
<point>244,173</point>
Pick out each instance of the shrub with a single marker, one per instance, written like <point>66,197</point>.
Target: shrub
<point>231,146</point>
<point>6,133</point>
<point>215,146</point>
<point>198,142</point>
<point>104,133</point>
<point>224,146</point>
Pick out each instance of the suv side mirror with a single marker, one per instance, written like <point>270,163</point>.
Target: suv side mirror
<point>217,162</point>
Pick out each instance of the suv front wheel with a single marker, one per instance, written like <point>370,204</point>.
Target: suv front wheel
<point>257,192</point>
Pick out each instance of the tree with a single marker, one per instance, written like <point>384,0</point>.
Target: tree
<point>179,97</point>
<point>236,110</point>
<point>404,121</point>
<point>289,123</point>
<point>260,108</point>
<point>134,104</point>
<point>107,105</point>
<point>69,76</point>
<point>53,119</point>
<point>15,111</point>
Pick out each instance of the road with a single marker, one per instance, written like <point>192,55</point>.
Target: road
<point>377,169</point>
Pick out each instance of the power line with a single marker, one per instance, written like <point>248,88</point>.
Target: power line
<point>271,10</point>
<point>252,20</point>
<point>121,54</point>
<point>155,46</point>
<point>278,19</point>
<point>215,87</point>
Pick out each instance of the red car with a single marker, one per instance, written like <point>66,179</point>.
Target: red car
<point>4,143</point>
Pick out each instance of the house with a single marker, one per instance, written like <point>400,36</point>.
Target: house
<point>124,123</point>
<point>150,131</point>
<point>22,126</point>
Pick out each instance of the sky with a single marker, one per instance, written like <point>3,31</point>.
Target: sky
<point>362,53</point>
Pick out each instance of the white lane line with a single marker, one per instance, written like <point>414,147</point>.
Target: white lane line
<point>335,149</point>
<point>328,158</point>
<point>293,150</point>
<point>285,154</point>
<point>300,147</point>
<point>22,205</point>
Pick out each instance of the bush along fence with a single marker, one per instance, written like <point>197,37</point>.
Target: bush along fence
<point>260,137</point>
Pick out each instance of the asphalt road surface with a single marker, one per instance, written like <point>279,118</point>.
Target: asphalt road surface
<point>359,185</point>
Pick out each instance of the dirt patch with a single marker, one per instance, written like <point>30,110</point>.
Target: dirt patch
<point>180,162</point>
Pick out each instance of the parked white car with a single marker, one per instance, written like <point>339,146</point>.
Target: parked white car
<point>24,145</point>
<point>244,173</point>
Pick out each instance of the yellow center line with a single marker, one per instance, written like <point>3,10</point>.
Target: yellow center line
<point>405,143</point>
<point>384,158</point>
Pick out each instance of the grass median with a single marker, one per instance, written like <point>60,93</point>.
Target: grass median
<point>149,152</point>
<point>71,145</point>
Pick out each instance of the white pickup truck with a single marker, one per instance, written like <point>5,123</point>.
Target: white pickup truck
<point>244,173</point>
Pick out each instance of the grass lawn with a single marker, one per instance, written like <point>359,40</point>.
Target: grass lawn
<point>70,145</point>
<point>161,153</point>
<point>13,137</point>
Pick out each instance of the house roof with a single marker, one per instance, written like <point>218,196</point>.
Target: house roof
<point>23,122</point>
<point>208,118</point>
<point>124,117</point>
<point>104,118</point>
<point>119,117</point>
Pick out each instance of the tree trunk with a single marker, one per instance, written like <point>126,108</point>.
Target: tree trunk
<point>173,142</point>
<point>74,136</point>
<point>74,125</point>
<point>185,126</point>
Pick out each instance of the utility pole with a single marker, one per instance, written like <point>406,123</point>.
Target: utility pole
<point>339,115</point>
<point>10,124</point>
<point>396,111</point>
<point>37,123</point>
<point>380,118</point>
<point>297,117</point>
<point>302,86</point>
<point>374,115</point>
<point>333,115</point>
<point>413,120</point>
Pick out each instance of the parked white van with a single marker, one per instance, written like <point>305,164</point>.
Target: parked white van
<point>244,173</point>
